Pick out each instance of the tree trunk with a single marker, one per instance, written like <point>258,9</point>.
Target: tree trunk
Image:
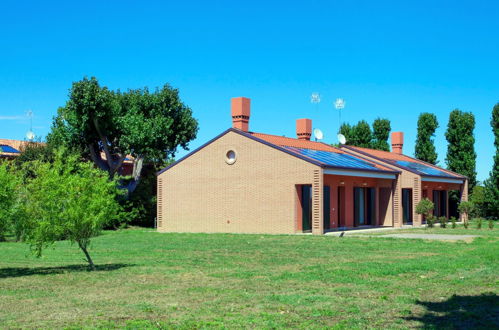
<point>83,247</point>
<point>137,170</point>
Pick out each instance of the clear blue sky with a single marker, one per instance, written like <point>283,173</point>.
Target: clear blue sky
<point>391,59</point>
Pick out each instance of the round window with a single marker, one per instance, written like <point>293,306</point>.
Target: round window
<point>230,157</point>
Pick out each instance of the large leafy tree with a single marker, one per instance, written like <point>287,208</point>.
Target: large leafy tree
<point>68,199</point>
<point>461,155</point>
<point>107,126</point>
<point>381,131</point>
<point>362,135</point>
<point>8,197</point>
<point>492,183</point>
<point>425,147</point>
<point>346,130</point>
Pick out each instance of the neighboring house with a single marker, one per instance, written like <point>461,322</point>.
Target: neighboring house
<point>10,148</point>
<point>247,182</point>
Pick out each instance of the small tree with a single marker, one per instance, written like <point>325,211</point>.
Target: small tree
<point>491,198</point>
<point>465,209</point>
<point>425,208</point>
<point>8,198</point>
<point>362,135</point>
<point>347,131</point>
<point>68,199</point>
<point>425,145</point>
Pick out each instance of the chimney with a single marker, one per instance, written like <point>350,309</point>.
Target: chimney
<point>397,142</point>
<point>303,129</point>
<point>240,113</point>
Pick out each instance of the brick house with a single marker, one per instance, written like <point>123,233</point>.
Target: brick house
<point>248,182</point>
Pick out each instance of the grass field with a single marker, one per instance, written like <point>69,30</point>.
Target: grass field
<point>147,279</point>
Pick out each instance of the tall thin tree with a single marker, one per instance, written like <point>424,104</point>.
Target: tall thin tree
<point>461,155</point>
<point>425,144</point>
<point>492,183</point>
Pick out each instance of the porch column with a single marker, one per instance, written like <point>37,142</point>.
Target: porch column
<point>397,202</point>
<point>318,202</point>
<point>376,205</point>
<point>349,204</point>
<point>334,207</point>
<point>416,198</point>
<point>464,196</point>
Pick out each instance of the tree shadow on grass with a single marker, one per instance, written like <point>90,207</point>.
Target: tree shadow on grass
<point>24,271</point>
<point>461,312</point>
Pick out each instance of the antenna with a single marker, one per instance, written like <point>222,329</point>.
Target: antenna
<point>342,139</point>
<point>30,135</point>
<point>339,104</point>
<point>318,134</point>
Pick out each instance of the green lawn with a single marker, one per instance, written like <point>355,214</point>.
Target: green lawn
<point>147,279</point>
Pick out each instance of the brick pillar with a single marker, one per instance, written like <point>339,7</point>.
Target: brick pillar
<point>349,204</point>
<point>416,198</point>
<point>397,202</point>
<point>318,203</point>
<point>464,196</point>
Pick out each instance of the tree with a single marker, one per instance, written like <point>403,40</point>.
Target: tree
<point>381,131</point>
<point>107,126</point>
<point>461,155</point>
<point>466,209</point>
<point>8,198</point>
<point>362,135</point>
<point>346,130</point>
<point>425,145</point>
<point>491,199</point>
<point>68,199</point>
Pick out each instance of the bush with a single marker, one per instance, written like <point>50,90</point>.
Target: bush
<point>466,209</point>
<point>491,224</point>
<point>8,198</point>
<point>443,222</point>
<point>68,199</point>
<point>479,223</point>
<point>430,221</point>
<point>466,224</point>
<point>453,221</point>
<point>424,208</point>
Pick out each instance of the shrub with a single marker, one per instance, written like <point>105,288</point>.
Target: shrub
<point>8,198</point>
<point>479,223</point>
<point>453,221</point>
<point>70,199</point>
<point>466,224</point>
<point>466,209</point>
<point>491,224</point>
<point>425,207</point>
<point>443,222</point>
<point>430,221</point>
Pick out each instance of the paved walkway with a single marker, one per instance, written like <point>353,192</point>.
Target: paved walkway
<point>439,237</point>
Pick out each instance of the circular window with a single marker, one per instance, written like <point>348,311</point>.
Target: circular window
<point>230,157</point>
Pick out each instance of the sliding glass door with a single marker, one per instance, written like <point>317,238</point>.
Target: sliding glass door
<point>364,200</point>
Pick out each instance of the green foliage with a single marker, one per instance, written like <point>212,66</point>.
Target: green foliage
<point>430,221</point>
<point>381,131</point>
<point>443,222</point>
<point>491,224</point>
<point>466,208</point>
<point>479,223</point>
<point>491,202</point>
<point>466,224</point>
<point>34,151</point>
<point>477,197</point>
<point>425,207</point>
<point>425,144</point>
<point>347,131</point>
<point>453,222</point>
<point>8,197</point>
<point>461,155</point>
<point>362,135</point>
<point>68,199</point>
<point>149,126</point>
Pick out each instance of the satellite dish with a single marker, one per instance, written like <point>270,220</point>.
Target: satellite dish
<point>342,139</point>
<point>318,134</point>
<point>30,136</point>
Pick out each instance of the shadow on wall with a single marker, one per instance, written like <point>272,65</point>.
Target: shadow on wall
<point>461,312</point>
<point>23,271</point>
